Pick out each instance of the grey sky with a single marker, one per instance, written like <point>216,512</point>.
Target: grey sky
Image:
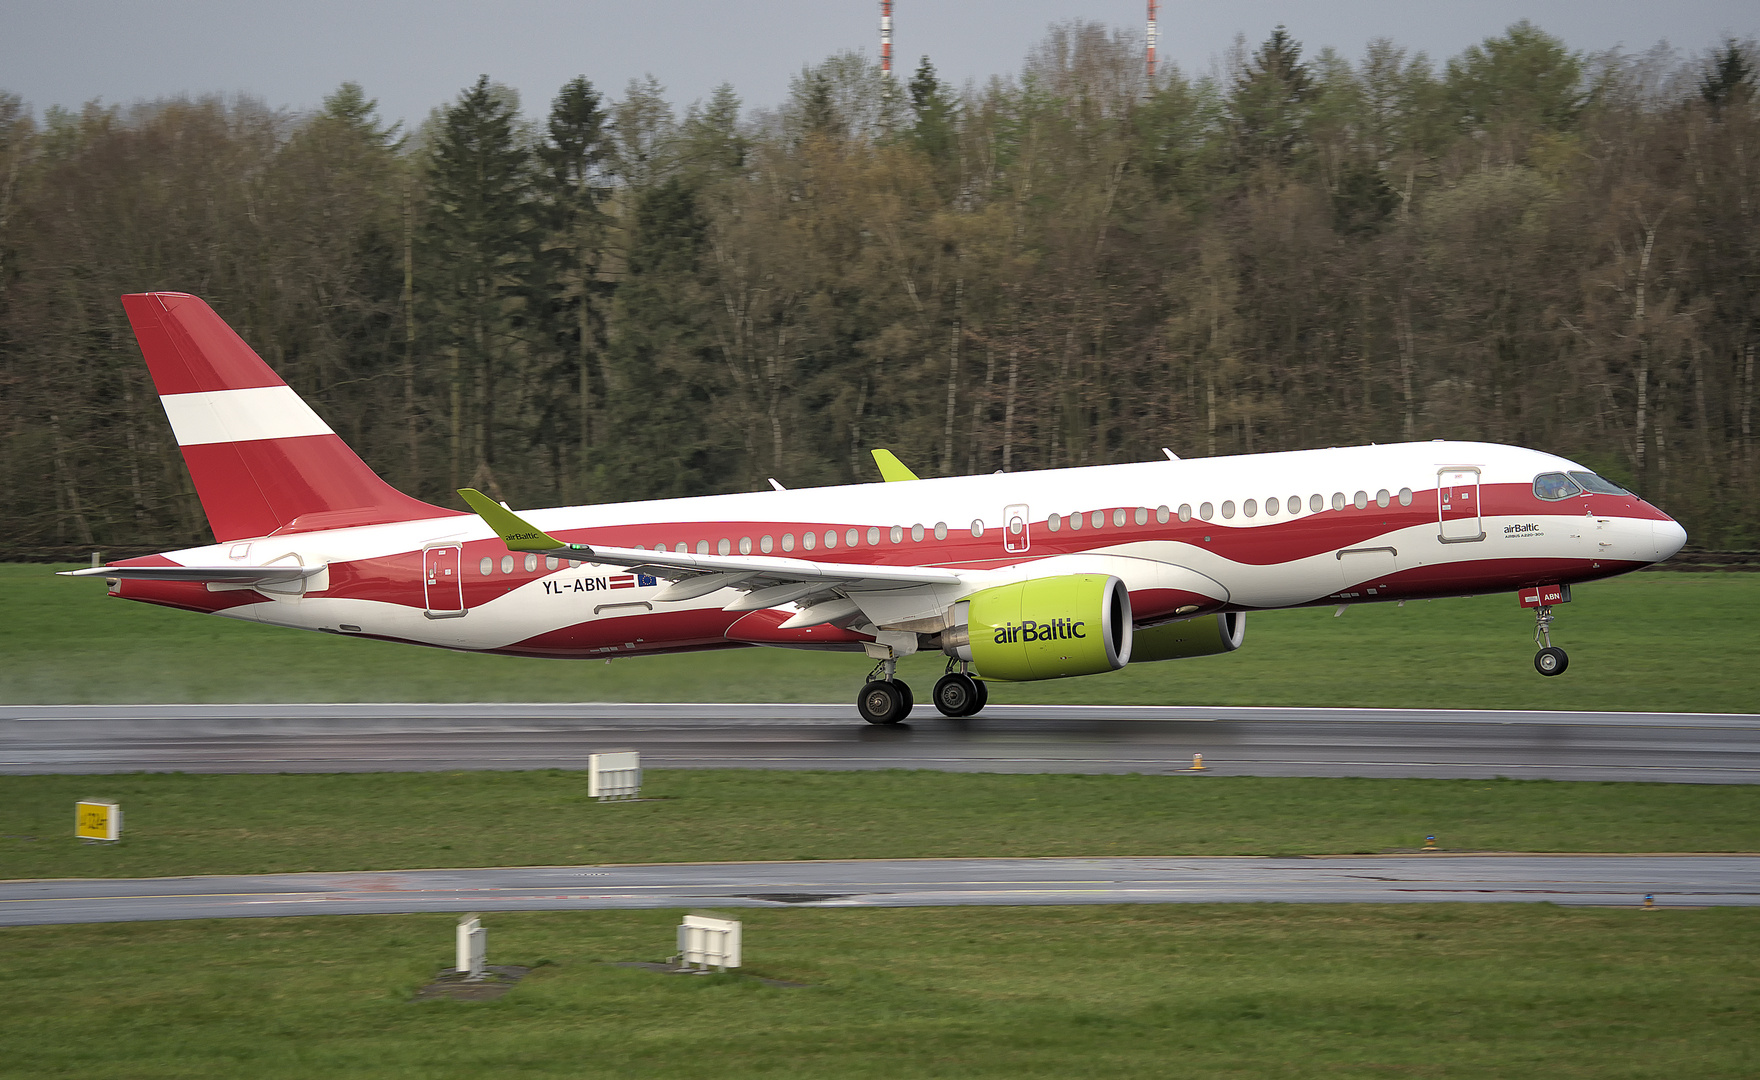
<point>415,54</point>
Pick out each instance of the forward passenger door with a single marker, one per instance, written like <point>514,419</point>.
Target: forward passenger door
<point>1457,500</point>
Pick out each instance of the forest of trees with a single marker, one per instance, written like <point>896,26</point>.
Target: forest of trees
<point>610,300</point>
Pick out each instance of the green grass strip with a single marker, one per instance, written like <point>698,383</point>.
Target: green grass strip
<point>1657,642</point>
<point>1459,991</point>
<point>197,824</point>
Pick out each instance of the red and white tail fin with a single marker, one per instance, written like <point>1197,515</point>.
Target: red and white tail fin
<point>261,459</point>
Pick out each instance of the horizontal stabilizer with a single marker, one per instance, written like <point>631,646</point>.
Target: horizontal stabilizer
<point>228,575</point>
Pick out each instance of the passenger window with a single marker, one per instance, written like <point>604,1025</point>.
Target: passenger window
<point>767,544</point>
<point>531,563</point>
<point>702,547</point>
<point>874,536</point>
<point>788,541</point>
<point>1271,507</point>
<point>1162,513</point>
<point>1338,500</point>
<point>487,566</point>
<point>1185,511</point>
<point>977,527</point>
<point>809,541</point>
<point>1361,501</point>
<point>1553,486</point>
<point>723,546</point>
<point>1228,508</point>
<point>1597,484</point>
<point>898,534</point>
<point>1295,504</point>
<point>1118,517</point>
<point>830,539</point>
<point>1075,522</point>
<point>1382,498</point>
<point>507,564</point>
<point>1405,496</point>
<point>1054,523</point>
<point>549,562</point>
<point>1250,508</point>
<point>1099,519</point>
<point>1206,511</point>
<point>852,538</point>
<point>1316,503</point>
<point>745,545</point>
<point>941,530</point>
<point>917,533</point>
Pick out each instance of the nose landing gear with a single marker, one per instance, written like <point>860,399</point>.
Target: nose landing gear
<point>957,694</point>
<point>1550,660</point>
<point>884,700</point>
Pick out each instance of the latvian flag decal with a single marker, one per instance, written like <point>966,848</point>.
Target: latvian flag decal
<point>630,581</point>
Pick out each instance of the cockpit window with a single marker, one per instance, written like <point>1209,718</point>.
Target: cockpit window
<point>1554,486</point>
<point>1598,485</point>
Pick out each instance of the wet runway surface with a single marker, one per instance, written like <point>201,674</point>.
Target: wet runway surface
<point>1675,747</point>
<point>1602,880</point>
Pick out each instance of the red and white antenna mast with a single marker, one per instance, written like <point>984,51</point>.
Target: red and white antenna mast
<point>1149,37</point>
<point>886,38</point>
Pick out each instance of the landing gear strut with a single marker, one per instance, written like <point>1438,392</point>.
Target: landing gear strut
<point>957,694</point>
<point>1550,660</point>
<point>885,700</point>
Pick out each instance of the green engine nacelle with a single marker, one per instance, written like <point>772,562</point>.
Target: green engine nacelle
<point>1045,628</point>
<point>1206,635</point>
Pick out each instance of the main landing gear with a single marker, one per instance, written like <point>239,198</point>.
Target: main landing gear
<point>957,694</point>
<point>885,700</point>
<point>1550,660</point>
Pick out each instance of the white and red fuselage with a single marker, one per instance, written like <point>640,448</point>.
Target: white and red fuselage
<point>1252,532</point>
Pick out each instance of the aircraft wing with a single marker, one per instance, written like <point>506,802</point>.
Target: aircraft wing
<point>770,581</point>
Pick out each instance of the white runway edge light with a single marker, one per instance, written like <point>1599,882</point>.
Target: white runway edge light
<point>616,775</point>
<point>473,947</point>
<point>704,942</point>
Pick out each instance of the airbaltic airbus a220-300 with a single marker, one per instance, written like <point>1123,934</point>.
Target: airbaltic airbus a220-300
<point>1015,576</point>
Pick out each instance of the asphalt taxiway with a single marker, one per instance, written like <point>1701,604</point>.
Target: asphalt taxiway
<point>1673,747</point>
<point>1602,880</point>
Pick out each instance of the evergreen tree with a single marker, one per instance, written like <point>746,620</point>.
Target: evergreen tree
<point>1524,76</point>
<point>935,133</point>
<point>664,412</point>
<point>568,289</point>
<point>1729,79</point>
<point>478,263</point>
<point>1270,99</point>
<point>713,146</point>
<point>818,108</point>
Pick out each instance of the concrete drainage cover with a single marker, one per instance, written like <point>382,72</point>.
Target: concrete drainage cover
<point>668,969</point>
<point>453,985</point>
<point>797,897</point>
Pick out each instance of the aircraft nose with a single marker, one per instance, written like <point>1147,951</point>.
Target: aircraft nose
<point>1669,537</point>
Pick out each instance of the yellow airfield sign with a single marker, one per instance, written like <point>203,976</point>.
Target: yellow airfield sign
<point>94,819</point>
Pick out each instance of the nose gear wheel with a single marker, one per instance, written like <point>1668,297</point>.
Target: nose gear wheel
<point>1550,660</point>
